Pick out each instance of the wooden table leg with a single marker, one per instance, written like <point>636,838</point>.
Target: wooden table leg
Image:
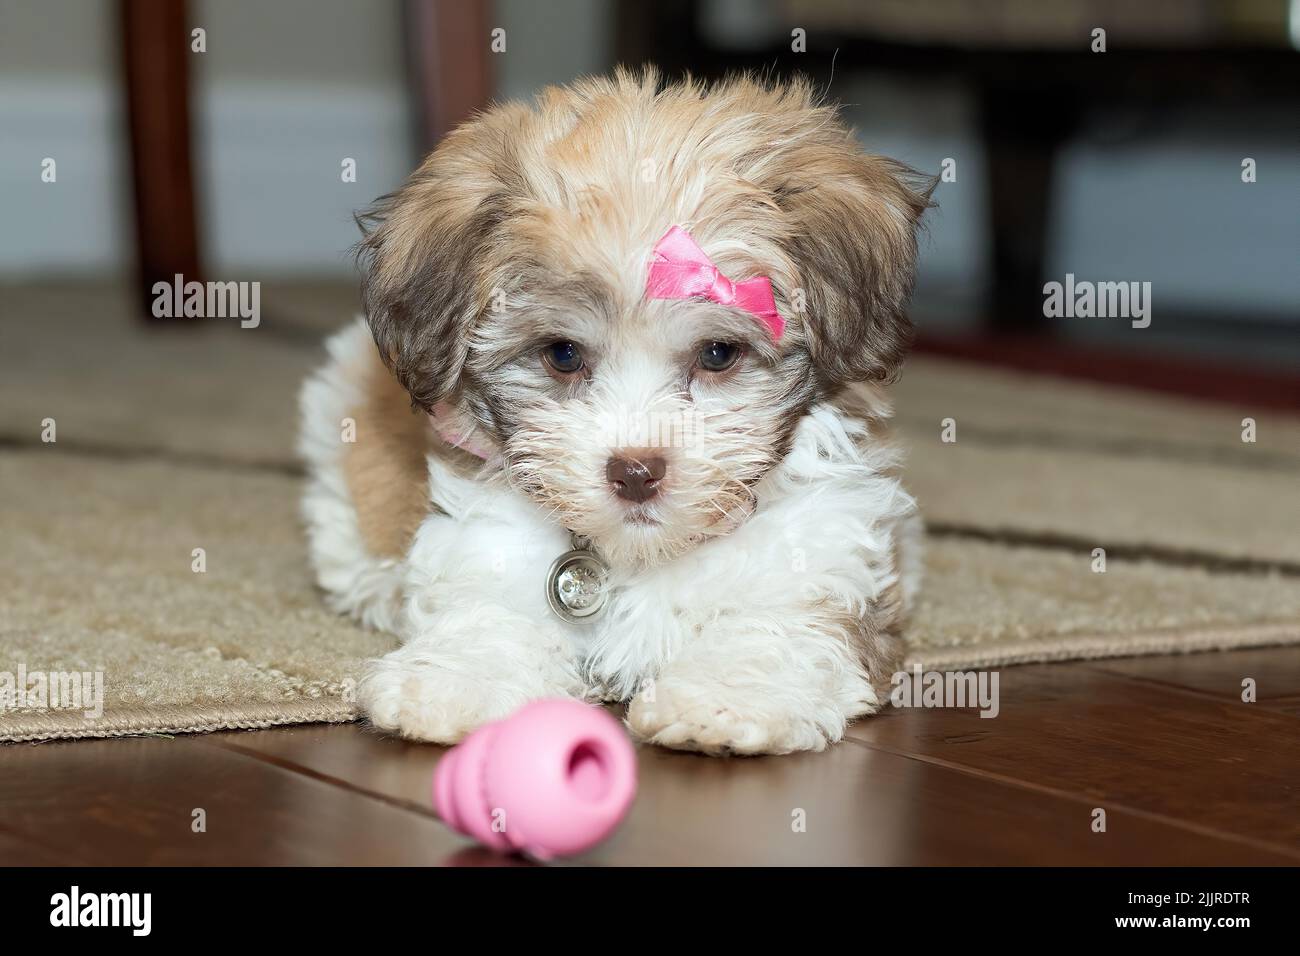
<point>155,57</point>
<point>449,62</point>
<point>1023,131</point>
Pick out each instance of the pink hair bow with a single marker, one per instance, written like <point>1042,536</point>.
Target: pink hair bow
<point>681,270</point>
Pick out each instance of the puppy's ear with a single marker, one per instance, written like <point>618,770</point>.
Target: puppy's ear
<point>852,223</point>
<point>423,259</point>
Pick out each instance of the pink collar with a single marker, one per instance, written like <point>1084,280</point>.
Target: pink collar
<point>447,422</point>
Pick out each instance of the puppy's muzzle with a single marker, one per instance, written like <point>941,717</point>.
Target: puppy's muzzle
<point>636,477</point>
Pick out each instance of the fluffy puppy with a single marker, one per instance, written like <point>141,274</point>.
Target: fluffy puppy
<point>528,391</point>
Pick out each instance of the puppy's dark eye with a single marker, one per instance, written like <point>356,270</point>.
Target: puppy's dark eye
<point>718,356</point>
<point>564,357</point>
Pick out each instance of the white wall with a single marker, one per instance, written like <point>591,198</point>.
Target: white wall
<point>1169,207</point>
<point>551,41</point>
<point>285,91</point>
<point>1163,203</point>
<point>922,125</point>
<point>59,99</point>
<point>288,88</point>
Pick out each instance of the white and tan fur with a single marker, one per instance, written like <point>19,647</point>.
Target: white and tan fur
<point>759,596</point>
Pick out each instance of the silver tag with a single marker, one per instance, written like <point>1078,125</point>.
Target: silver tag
<point>575,585</point>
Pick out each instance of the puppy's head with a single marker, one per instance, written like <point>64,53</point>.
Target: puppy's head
<point>507,278</point>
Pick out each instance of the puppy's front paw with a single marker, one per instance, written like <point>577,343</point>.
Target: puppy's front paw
<point>724,720</point>
<point>425,700</point>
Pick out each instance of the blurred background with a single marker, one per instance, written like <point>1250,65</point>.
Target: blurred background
<point>151,488</point>
<point>1123,165</point>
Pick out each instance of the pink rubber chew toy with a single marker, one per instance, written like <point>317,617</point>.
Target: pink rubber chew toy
<point>553,779</point>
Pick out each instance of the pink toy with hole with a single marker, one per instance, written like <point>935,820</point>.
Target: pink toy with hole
<point>553,779</point>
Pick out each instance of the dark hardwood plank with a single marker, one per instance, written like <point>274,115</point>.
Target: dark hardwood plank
<point>1186,776</point>
<point>1220,766</point>
<point>24,850</point>
<point>129,802</point>
<point>1275,670</point>
<point>862,806</point>
<point>348,755</point>
<point>868,807</point>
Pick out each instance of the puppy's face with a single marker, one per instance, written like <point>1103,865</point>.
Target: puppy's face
<point>507,278</point>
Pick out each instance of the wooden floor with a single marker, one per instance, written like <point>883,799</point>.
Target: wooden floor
<point>1186,772</point>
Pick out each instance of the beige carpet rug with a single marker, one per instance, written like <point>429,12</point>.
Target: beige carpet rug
<point>173,441</point>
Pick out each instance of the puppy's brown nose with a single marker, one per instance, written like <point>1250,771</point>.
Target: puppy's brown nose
<point>636,478</point>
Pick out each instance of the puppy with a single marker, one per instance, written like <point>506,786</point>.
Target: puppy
<point>623,437</point>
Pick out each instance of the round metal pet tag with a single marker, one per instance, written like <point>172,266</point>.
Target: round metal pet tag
<point>575,585</point>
